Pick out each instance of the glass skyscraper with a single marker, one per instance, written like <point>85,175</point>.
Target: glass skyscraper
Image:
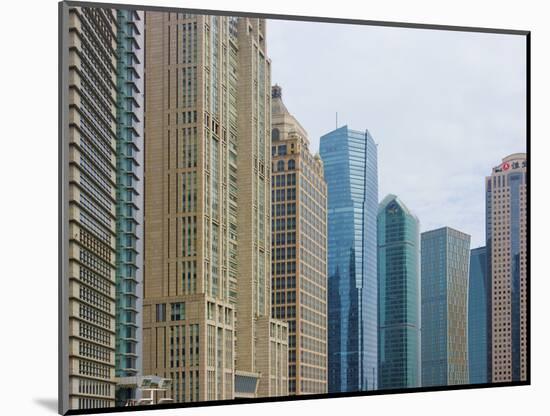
<point>478,327</point>
<point>351,173</point>
<point>129,197</point>
<point>398,296</point>
<point>445,258</point>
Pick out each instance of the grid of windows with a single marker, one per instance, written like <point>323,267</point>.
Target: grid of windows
<point>302,305</point>
<point>445,259</point>
<point>399,296</point>
<point>506,268</point>
<point>92,139</point>
<point>351,173</point>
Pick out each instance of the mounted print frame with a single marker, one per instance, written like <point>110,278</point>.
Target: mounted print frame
<point>260,208</point>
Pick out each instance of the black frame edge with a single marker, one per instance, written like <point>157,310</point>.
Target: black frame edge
<point>320,19</point>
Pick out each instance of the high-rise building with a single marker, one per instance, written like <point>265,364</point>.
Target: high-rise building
<point>506,241</point>
<point>104,136</point>
<point>445,259</point>
<point>351,173</point>
<point>299,274</point>
<point>399,353</point>
<point>129,235</point>
<point>478,317</point>
<point>207,323</point>
<point>262,342</point>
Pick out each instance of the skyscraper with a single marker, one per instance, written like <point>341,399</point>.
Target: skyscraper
<point>299,246</point>
<point>399,354</point>
<point>350,162</point>
<point>478,317</point>
<point>506,237</point>
<point>445,258</point>
<point>262,342</point>
<point>104,214</point>
<point>207,323</point>
<point>129,212</point>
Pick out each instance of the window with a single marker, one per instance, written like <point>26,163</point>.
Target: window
<point>178,311</point>
<point>280,165</point>
<point>161,312</point>
<point>291,164</point>
<point>275,134</point>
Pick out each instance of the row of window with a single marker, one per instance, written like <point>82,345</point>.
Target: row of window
<point>91,369</point>
<point>288,179</point>
<point>85,403</point>
<point>94,280</point>
<point>94,227</point>
<point>97,388</point>
<point>281,224</point>
<point>283,268</point>
<point>95,264</point>
<point>94,316</point>
<point>284,282</point>
<point>281,210</point>
<point>288,194</point>
<point>281,239</point>
<point>282,253</point>
<point>94,334</point>
<point>179,386</point>
<point>94,351</point>
<point>94,298</point>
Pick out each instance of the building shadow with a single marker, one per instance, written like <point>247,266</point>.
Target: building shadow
<point>49,404</point>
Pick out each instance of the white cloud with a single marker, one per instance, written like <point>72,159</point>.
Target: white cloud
<point>444,107</point>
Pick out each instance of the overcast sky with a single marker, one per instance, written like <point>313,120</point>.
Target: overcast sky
<point>443,107</point>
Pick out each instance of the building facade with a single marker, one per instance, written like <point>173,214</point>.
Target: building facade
<point>351,173</point>
<point>445,258</point>
<point>105,138</point>
<point>299,268</point>
<point>399,323</point>
<point>129,241</point>
<point>207,324</point>
<point>506,241</point>
<point>255,353</point>
<point>478,317</point>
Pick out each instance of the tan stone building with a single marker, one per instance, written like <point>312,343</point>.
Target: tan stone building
<point>261,341</point>
<point>206,300</point>
<point>299,244</point>
<point>506,222</point>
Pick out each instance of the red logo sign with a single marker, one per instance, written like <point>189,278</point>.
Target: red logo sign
<point>505,166</point>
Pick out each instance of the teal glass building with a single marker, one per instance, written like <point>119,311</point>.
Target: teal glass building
<point>445,260</point>
<point>351,173</point>
<point>129,212</point>
<point>399,364</point>
<point>478,317</point>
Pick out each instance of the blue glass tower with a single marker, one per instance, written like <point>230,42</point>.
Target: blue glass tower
<point>129,207</point>
<point>445,259</point>
<point>351,173</point>
<point>478,315</point>
<point>398,296</point>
